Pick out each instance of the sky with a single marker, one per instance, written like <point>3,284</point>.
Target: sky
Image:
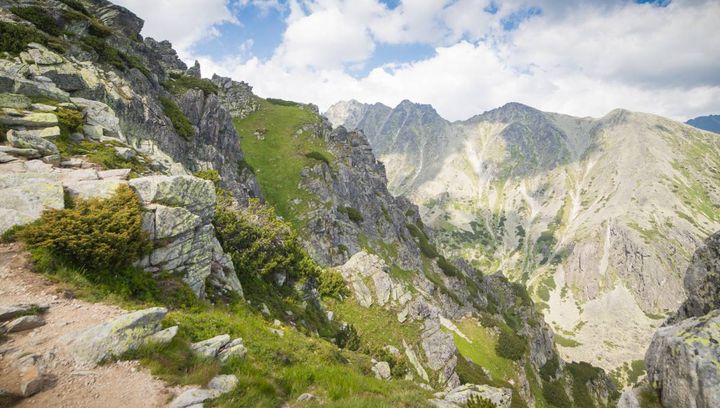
<point>583,57</point>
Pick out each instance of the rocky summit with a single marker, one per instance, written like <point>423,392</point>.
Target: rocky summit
<point>170,238</point>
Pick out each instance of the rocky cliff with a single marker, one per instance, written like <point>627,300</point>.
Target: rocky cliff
<point>594,215</point>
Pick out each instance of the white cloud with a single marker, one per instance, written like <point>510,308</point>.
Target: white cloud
<point>585,58</point>
<point>182,22</point>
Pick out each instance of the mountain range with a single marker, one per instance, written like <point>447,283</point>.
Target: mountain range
<point>596,216</point>
<point>711,123</point>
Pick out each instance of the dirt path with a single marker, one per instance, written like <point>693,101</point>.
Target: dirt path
<point>122,384</point>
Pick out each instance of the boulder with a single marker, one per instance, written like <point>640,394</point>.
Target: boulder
<point>501,397</point>
<point>26,153</point>
<point>93,188</point>
<point>100,116</point>
<point>125,153</point>
<point>211,347</point>
<point>9,312</point>
<point>23,197</point>
<point>682,362</point>
<point>223,383</point>
<point>40,55</point>
<point>45,133</point>
<point>113,338</point>
<point>381,369</point>
<point>306,397</point>
<point>24,323</point>
<point>192,397</point>
<point>6,158</point>
<point>26,140</point>
<point>13,117</point>
<point>195,194</point>
<point>233,349</point>
<point>15,101</point>
<point>163,336</point>
<point>32,381</point>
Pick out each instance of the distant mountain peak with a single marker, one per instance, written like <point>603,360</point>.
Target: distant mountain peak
<point>711,123</point>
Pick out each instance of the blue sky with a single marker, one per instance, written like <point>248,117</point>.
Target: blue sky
<point>583,57</point>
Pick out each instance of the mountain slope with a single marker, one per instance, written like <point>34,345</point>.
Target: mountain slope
<point>594,215</point>
<point>711,123</point>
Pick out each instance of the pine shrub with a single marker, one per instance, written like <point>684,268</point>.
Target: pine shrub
<point>510,345</point>
<point>180,122</point>
<point>96,235</point>
<point>39,17</point>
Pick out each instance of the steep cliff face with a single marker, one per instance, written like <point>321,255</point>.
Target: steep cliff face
<point>105,59</point>
<point>593,215</point>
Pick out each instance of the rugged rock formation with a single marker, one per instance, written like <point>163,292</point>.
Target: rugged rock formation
<point>593,215</point>
<point>682,360</point>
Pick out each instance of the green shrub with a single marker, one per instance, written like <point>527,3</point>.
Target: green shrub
<point>179,83</point>
<point>510,345</point>
<point>352,213</point>
<point>39,17</point>
<point>261,244</point>
<point>75,5</point>
<point>582,373</point>
<point>318,156</point>
<point>180,122</point>
<point>282,102</point>
<point>332,284</point>
<point>70,119</point>
<point>16,37</point>
<point>10,235</point>
<point>95,235</point>
<point>554,393</point>
<point>348,338</point>
<point>447,268</point>
<point>479,402</point>
<point>106,53</point>
<point>98,29</point>
<point>423,242</point>
<point>550,368</point>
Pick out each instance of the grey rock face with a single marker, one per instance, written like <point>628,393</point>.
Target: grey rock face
<point>682,362</point>
<point>124,333</point>
<point>702,281</point>
<point>178,215</point>
<point>440,351</point>
<point>457,397</point>
<point>24,323</point>
<point>23,197</point>
<point>237,97</point>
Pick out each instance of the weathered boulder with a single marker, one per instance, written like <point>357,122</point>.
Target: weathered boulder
<point>235,348</point>
<point>113,338</point>
<point>26,153</point>
<point>218,386</point>
<point>682,362</point>
<point>457,397</point>
<point>23,197</point>
<point>13,117</point>
<point>211,347</point>
<point>28,140</point>
<point>15,101</point>
<point>100,117</point>
<point>24,323</point>
<point>9,312</point>
<point>45,133</point>
<point>381,369</point>
<point>223,383</point>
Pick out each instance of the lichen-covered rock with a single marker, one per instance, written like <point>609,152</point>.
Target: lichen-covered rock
<point>363,271</point>
<point>501,397</point>
<point>702,281</point>
<point>9,312</point>
<point>12,117</point>
<point>211,347</point>
<point>235,348</point>
<point>683,362</point>
<point>113,338</point>
<point>24,323</point>
<point>381,369</point>
<point>223,383</point>
<point>23,197</point>
<point>28,140</point>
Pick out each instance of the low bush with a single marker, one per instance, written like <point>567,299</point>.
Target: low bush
<point>180,122</point>
<point>179,83</point>
<point>510,345</point>
<point>554,393</point>
<point>318,156</point>
<point>423,242</point>
<point>98,29</point>
<point>39,17</point>
<point>262,244</point>
<point>106,53</point>
<point>479,402</point>
<point>348,338</point>
<point>95,235</point>
<point>75,5</point>
<point>549,369</point>
<point>582,373</point>
<point>70,119</point>
<point>352,213</point>
<point>16,37</point>
<point>447,268</point>
<point>332,284</point>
